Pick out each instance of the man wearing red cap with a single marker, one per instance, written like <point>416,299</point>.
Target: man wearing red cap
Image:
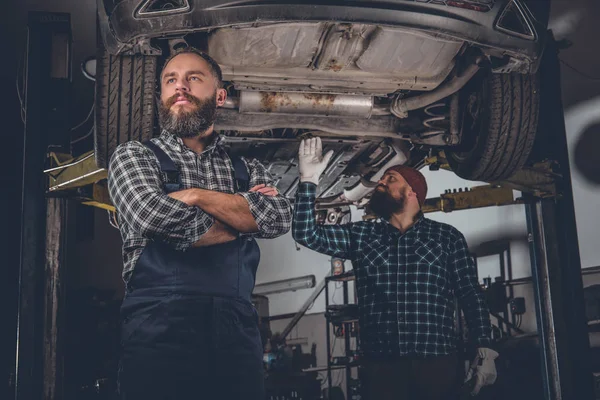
<point>409,270</point>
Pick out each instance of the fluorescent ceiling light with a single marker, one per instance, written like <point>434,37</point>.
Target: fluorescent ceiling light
<point>286,285</point>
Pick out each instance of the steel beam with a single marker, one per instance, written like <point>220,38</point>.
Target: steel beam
<point>311,299</point>
<point>542,252</point>
<point>476,197</point>
<point>556,264</point>
<point>78,172</point>
<point>537,179</point>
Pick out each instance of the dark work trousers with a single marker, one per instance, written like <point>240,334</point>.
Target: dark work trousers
<point>189,329</point>
<point>411,378</point>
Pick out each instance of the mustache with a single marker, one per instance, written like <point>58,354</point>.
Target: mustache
<point>173,99</point>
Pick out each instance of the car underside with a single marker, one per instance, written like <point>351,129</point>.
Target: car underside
<point>382,83</point>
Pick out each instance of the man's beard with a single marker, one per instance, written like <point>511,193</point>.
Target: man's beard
<point>384,205</point>
<point>188,124</point>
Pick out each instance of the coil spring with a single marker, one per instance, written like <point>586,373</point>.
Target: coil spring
<point>438,122</point>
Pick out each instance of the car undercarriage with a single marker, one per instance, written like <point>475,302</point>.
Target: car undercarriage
<point>390,87</point>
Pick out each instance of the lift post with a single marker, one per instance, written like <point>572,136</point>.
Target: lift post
<point>48,74</point>
<point>554,249</point>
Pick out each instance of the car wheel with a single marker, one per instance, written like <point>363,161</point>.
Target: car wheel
<point>498,122</point>
<point>125,99</point>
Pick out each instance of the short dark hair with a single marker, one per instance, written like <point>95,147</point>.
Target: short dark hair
<point>215,69</point>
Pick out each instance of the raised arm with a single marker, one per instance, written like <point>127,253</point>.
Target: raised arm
<point>333,240</point>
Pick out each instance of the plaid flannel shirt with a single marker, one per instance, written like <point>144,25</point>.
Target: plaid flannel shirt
<point>145,212</point>
<point>406,283</point>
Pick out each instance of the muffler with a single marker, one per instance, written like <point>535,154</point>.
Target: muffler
<point>310,104</point>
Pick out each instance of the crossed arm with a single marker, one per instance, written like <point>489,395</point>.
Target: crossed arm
<point>231,212</point>
<point>192,217</point>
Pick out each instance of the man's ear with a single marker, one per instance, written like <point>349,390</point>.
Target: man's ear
<point>221,97</point>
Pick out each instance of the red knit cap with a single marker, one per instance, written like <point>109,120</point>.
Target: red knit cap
<point>415,180</point>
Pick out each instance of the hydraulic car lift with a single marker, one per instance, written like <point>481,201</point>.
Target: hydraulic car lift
<point>547,195</point>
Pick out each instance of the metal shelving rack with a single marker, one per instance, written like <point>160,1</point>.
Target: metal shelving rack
<point>346,322</point>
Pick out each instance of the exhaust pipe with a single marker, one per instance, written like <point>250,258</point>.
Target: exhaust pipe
<point>401,107</point>
<point>310,104</point>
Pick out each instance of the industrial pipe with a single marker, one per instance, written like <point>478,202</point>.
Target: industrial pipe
<point>400,107</point>
<point>255,102</point>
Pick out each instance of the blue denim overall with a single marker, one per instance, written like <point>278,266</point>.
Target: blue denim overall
<point>189,328</point>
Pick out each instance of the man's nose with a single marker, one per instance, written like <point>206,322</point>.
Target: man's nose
<point>182,86</point>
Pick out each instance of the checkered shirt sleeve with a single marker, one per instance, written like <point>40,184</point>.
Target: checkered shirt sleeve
<point>136,189</point>
<point>333,240</point>
<point>273,214</point>
<point>469,292</point>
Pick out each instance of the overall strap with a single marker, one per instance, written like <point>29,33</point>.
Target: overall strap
<point>242,178</point>
<point>168,167</point>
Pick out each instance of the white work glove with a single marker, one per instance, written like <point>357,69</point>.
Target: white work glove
<point>484,369</point>
<point>311,164</point>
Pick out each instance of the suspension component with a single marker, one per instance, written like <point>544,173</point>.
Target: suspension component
<point>438,121</point>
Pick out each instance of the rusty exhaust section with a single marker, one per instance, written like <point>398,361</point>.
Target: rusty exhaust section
<point>255,102</point>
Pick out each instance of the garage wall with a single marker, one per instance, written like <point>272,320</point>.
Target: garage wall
<point>282,258</point>
<point>581,99</point>
<point>583,126</point>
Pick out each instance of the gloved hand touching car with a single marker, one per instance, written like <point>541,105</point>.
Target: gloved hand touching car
<point>311,163</point>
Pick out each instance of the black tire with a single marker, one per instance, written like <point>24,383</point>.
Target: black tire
<point>498,138</point>
<point>125,101</point>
